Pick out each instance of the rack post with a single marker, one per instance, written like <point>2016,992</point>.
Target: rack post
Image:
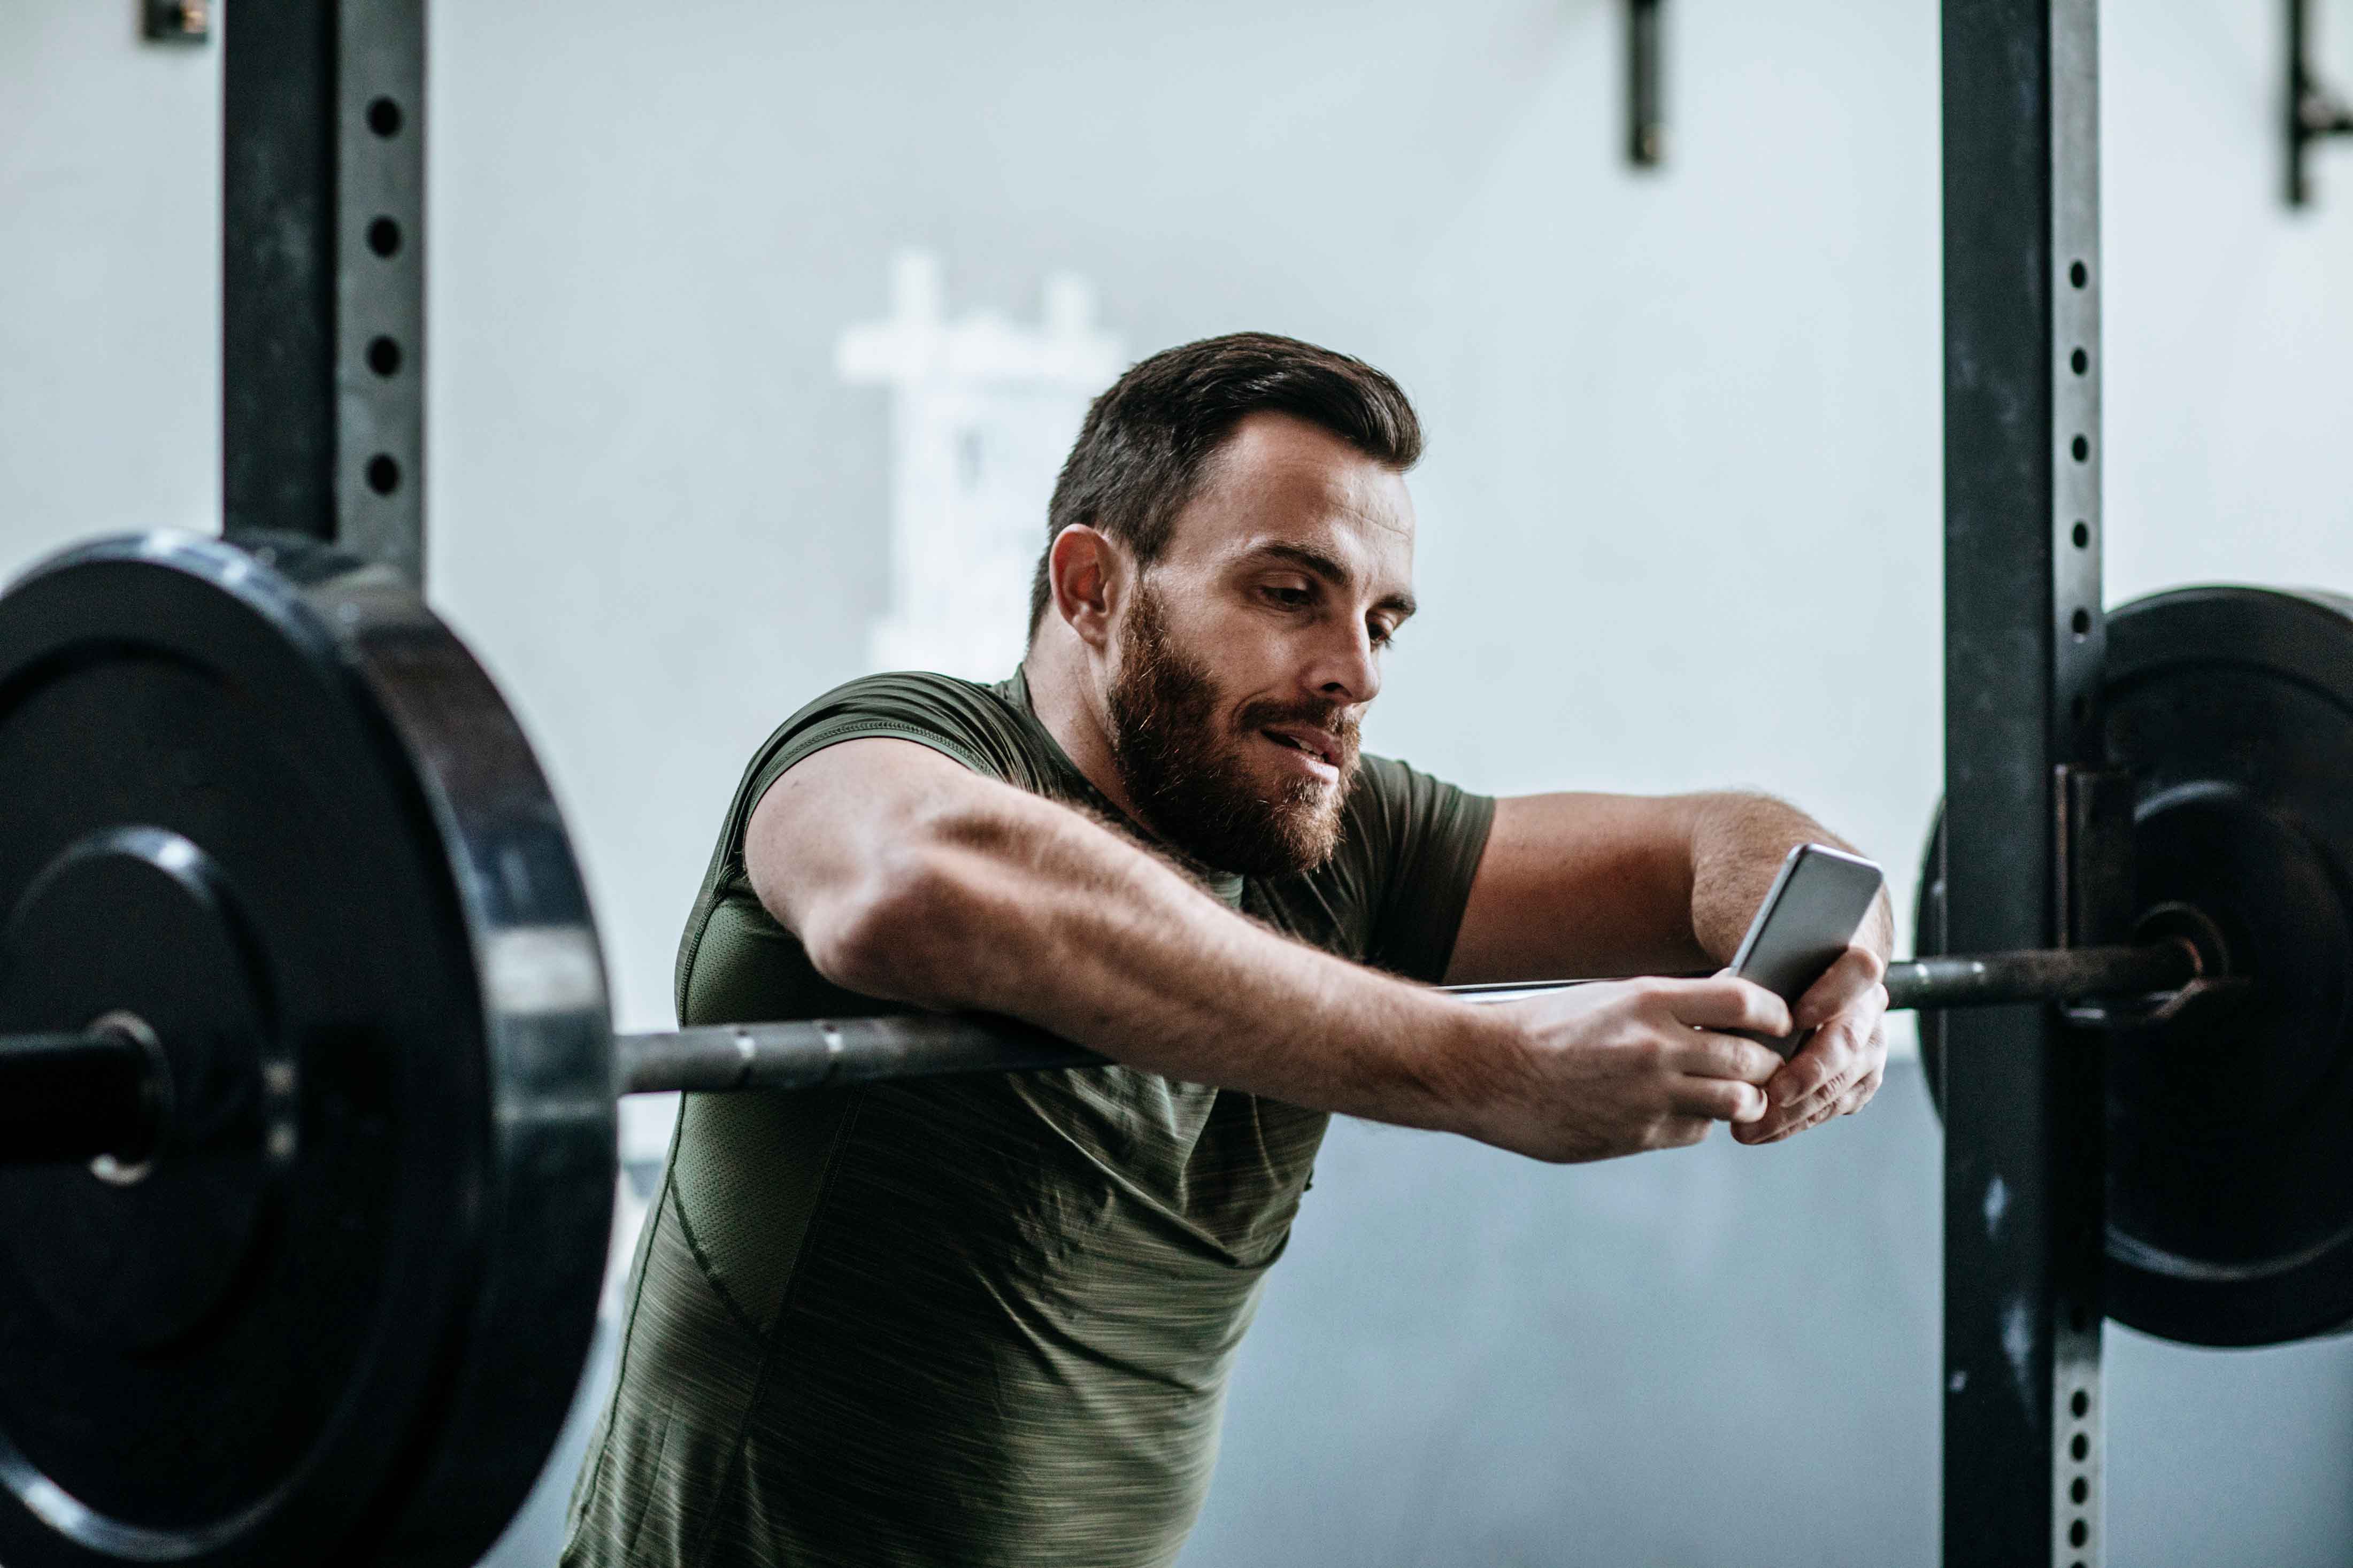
<point>322,275</point>
<point>2023,1105</point>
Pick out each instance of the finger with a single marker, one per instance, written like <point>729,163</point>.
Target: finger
<point>1789,1109</point>
<point>1844,985</point>
<point>1717,1099</point>
<point>1827,1065</point>
<point>1723,1002</point>
<point>1855,1058</point>
<point>1781,1128</point>
<point>1861,1095</point>
<point>1807,1125</point>
<point>1703,1053</point>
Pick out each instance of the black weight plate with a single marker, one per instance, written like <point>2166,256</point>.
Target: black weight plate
<point>262,800</point>
<point>2230,1186</point>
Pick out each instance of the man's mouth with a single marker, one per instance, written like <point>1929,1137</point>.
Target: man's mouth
<point>1317,743</point>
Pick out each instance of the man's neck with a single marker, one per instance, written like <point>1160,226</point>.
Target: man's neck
<point>1068,698</point>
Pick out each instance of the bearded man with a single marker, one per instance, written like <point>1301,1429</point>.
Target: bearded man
<point>987,1320</point>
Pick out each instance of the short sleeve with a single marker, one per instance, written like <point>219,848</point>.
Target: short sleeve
<point>965,723</point>
<point>1419,839</point>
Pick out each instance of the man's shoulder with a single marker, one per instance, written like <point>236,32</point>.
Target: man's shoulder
<point>976,723</point>
<point>920,693</point>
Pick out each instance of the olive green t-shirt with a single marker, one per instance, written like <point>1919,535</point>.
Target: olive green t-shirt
<point>972,1321</point>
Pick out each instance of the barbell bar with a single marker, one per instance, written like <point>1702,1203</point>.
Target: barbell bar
<point>815,1053</point>
<point>102,1092</point>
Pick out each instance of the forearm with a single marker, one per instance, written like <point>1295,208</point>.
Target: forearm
<point>1024,908</point>
<point>1738,844</point>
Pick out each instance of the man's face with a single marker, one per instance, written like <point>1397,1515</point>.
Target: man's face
<point>1248,653</point>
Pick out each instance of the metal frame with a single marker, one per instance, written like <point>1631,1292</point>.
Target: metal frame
<point>2023,646</point>
<point>322,275</point>
<point>2314,112</point>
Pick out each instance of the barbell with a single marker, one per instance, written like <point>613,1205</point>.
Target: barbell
<point>307,1073</point>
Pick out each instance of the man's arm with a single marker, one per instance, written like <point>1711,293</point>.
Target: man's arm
<point>1612,884</point>
<point>908,876</point>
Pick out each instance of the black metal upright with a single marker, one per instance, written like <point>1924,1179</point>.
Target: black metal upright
<point>2022,1098</point>
<point>322,274</point>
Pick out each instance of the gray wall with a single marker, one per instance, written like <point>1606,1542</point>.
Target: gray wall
<point>1680,528</point>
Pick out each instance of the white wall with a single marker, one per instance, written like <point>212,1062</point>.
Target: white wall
<point>1680,528</point>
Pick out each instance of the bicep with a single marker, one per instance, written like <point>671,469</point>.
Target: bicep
<point>827,823</point>
<point>1574,885</point>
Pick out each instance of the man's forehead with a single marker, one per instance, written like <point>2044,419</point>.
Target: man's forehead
<point>1280,481</point>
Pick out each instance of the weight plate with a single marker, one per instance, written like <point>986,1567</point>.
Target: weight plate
<point>2229,1187</point>
<point>263,803</point>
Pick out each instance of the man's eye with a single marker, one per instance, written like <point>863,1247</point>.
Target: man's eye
<point>1382,636</point>
<point>1292,598</point>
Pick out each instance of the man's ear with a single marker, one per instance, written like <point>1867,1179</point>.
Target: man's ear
<point>1088,573</point>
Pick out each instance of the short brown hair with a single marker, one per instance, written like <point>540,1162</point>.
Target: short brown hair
<point>1141,454</point>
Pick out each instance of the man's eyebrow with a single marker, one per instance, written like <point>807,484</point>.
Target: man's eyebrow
<point>1332,570</point>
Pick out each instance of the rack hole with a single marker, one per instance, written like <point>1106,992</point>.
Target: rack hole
<point>2080,1404</point>
<point>384,477</point>
<point>2079,1488</point>
<point>2082,536</point>
<point>2082,623</point>
<point>384,116</point>
<point>383,236</point>
<point>383,356</point>
<point>2080,447</point>
<point>2079,361</point>
<point>2080,1447</point>
<point>2078,274</point>
<point>2078,1533</point>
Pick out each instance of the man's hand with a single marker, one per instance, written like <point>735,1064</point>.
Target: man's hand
<point>1837,1070</point>
<point>1627,1066</point>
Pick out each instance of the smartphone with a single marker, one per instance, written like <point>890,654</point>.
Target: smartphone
<point>1808,918</point>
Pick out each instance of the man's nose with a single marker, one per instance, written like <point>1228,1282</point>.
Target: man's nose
<point>1347,671</point>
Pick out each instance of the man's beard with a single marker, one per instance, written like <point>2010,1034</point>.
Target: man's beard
<point>1188,775</point>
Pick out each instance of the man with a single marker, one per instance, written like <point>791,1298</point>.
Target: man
<point>987,1320</point>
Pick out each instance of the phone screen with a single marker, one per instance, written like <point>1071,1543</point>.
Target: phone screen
<point>1808,918</point>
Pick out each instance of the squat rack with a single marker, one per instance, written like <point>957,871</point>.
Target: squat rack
<point>324,355</point>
